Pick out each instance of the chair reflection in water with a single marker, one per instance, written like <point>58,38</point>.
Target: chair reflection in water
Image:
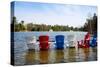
<point>44,56</point>
<point>30,57</point>
<point>59,56</point>
<point>86,52</point>
<point>59,41</point>
<point>44,42</point>
<point>71,55</point>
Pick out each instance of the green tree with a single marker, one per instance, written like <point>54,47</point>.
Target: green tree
<point>91,24</point>
<point>22,27</point>
<point>30,27</point>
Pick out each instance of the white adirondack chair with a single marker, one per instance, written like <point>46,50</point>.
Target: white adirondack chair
<point>31,43</point>
<point>71,39</point>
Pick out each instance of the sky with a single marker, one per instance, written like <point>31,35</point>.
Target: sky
<point>52,14</point>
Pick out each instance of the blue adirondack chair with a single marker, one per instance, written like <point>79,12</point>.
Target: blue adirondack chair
<point>59,41</point>
<point>93,42</point>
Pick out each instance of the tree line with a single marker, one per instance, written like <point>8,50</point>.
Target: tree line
<point>89,26</point>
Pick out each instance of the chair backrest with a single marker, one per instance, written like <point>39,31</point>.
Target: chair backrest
<point>60,38</point>
<point>59,41</point>
<point>44,39</point>
<point>70,37</point>
<point>72,40</point>
<point>87,39</point>
<point>31,39</point>
<point>87,36</point>
<point>94,40</point>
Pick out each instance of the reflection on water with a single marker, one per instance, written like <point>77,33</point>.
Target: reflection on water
<point>71,54</point>
<point>30,57</point>
<point>23,56</point>
<point>86,54</point>
<point>56,56</point>
<point>59,56</point>
<point>44,56</point>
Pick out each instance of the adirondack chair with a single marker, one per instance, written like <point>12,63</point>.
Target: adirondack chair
<point>71,40</point>
<point>93,42</point>
<point>31,42</point>
<point>84,43</point>
<point>80,44</point>
<point>44,42</point>
<point>59,41</point>
<point>87,41</point>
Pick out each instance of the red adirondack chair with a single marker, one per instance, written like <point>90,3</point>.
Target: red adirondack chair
<point>80,44</point>
<point>87,40</point>
<point>85,43</point>
<point>44,39</point>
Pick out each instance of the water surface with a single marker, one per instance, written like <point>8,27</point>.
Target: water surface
<point>23,56</point>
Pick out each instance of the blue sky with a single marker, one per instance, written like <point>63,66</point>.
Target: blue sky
<point>49,13</point>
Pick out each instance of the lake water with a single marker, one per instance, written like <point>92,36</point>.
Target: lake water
<point>23,56</point>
